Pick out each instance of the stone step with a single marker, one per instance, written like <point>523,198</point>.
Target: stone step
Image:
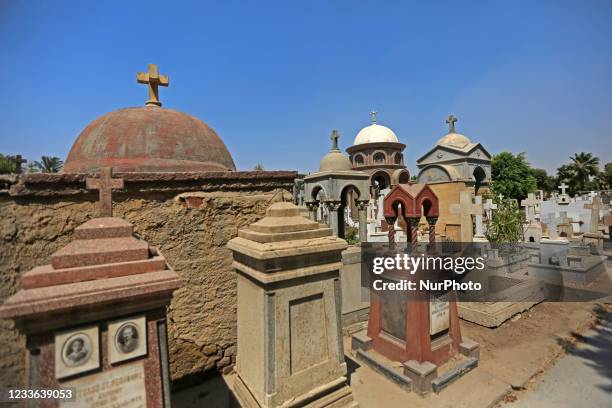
<point>46,275</point>
<point>100,251</point>
<point>106,227</point>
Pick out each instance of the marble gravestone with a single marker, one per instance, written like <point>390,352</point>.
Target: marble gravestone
<point>95,319</point>
<point>290,350</point>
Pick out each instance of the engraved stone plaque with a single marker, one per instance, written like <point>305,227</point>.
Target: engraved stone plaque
<point>439,313</point>
<point>120,387</point>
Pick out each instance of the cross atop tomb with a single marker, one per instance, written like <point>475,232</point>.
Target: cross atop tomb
<point>451,123</point>
<point>530,203</point>
<point>334,137</point>
<point>153,79</point>
<point>562,187</point>
<point>373,116</point>
<point>105,184</point>
<point>18,162</point>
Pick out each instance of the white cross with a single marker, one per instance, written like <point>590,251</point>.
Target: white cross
<point>529,205</point>
<point>563,186</point>
<point>489,206</point>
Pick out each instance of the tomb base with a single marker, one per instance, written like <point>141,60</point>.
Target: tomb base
<point>419,377</point>
<point>335,394</point>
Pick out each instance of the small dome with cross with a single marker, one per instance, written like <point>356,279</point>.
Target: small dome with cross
<point>452,138</point>
<point>375,133</point>
<point>335,160</point>
<point>149,139</point>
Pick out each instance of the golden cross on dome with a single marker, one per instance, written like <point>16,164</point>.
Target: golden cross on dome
<point>451,123</point>
<point>105,185</point>
<point>373,115</point>
<point>153,79</point>
<point>334,137</point>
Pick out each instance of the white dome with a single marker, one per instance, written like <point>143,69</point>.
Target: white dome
<point>375,134</point>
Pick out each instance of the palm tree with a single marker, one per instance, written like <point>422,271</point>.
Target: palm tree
<point>49,164</point>
<point>259,167</point>
<point>584,165</point>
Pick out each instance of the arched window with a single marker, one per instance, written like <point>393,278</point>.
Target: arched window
<point>358,160</point>
<point>398,158</point>
<point>379,157</point>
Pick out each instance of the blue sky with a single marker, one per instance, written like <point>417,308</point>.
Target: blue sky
<point>274,78</point>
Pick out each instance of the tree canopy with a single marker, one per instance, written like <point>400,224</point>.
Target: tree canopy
<point>512,175</point>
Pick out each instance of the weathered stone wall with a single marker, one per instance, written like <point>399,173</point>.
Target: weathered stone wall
<point>190,229</point>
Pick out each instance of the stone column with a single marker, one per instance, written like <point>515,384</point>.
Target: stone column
<point>413,225</point>
<point>99,304</point>
<point>391,232</point>
<point>290,350</point>
<point>313,207</point>
<point>362,207</point>
<point>334,219</point>
<point>432,228</point>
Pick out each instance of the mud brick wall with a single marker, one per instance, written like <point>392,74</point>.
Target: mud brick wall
<point>189,216</point>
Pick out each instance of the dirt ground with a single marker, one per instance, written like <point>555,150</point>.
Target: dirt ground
<point>512,355</point>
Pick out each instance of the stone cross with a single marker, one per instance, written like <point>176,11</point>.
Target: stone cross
<point>334,137</point>
<point>105,185</point>
<point>466,209</point>
<point>373,116</point>
<point>562,187</point>
<point>451,123</point>
<point>530,203</point>
<point>18,162</point>
<point>501,197</point>
<point>489,206</point>
<point>595,206</point>
<point>153,79</point>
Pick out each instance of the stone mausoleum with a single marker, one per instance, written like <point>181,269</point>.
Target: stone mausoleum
<point>453,165</point>
<point>183,195</point>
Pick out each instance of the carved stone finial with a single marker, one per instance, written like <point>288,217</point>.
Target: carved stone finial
<point>451,123</point>
<point>154,80</point>
<point>334,137</point>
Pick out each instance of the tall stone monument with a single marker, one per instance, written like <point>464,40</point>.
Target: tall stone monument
<point>290,351</point>
<point>95,319</point>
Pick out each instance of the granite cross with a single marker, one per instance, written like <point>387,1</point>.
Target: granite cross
<point>373,115</point>
<point>334,137</point>
<point>18,162</point>
<point>153,79</point>
<point>105,185</point>
<point>489,206</point>
<point>562,187</point>
<point>451,123</point>
<point>530,203</point>
<point>595,206</point>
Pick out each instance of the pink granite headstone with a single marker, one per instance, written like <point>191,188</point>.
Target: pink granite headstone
<point>95,319</point>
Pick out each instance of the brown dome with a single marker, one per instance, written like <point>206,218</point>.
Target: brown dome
<point>148,139</point>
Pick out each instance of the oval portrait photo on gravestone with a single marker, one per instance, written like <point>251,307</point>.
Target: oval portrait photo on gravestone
<point>127,338</point>
<point>76,351</point>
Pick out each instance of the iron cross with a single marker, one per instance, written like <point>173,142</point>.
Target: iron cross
<point>105,184</point>
<point>153,79</point>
